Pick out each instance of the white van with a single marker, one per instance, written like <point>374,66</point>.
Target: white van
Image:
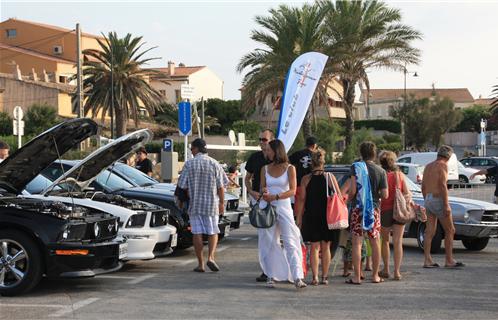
<point>424,158</point>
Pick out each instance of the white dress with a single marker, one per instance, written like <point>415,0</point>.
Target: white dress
<point>281,264</point>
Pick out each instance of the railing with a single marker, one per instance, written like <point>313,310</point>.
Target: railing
<point>483,192</point>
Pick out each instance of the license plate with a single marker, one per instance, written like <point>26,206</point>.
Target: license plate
<point>123,250</point>
<point>174,240</point>
<point>227,231</point>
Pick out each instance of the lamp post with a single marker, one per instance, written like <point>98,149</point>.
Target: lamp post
<point>403,135</point>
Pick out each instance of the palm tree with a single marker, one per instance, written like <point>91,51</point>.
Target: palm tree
<point>285,34</point>
<point>363,35</point>
<point>127,81</point>
<point>494,103</point>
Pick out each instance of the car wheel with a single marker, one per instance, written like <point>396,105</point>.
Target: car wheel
<point>436,241</point>
<point>463,179</point>
<point>476,244</point>
<point>20,263</point>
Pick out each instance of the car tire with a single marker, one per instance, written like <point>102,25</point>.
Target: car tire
<point>463,179</point>
<point>436,241</point>
<point>28,268</point>
<point>476,244</point>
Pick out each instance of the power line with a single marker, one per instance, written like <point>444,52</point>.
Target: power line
<point>29,42</point>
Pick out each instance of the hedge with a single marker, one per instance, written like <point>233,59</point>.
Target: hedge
<point>379,124</point>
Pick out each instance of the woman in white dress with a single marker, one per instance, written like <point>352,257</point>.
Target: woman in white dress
<point>278,183</point>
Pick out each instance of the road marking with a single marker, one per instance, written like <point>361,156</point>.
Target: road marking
<point>184,263</point>
<point>245,239</point>
<point>222,248</point>
<point>142,278</point>
<point>114,277</point>
<point>78,305</point>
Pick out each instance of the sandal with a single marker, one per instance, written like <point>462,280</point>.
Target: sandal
<point>384,275</point>
<point>398,278</point>
<point>325,281</point>
<point>314,282</point>
<point>350,281</point>
<point>347,274</point>
<point>455,266</point>
<point>299,283</point>
<point>432,265</point>
<point>380,280</point>
<point>198,269</point>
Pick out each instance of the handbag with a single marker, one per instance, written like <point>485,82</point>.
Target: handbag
<point>262,218</point>
<point>420,213</point>
<point>402,211</point>
<point>337,210</point>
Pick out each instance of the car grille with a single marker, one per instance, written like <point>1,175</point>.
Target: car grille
<point>159,218</point>
<point>232,204</point>
<point>490,216</point>
<point>107,230</point>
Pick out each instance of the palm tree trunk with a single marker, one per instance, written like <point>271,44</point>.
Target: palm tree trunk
<point>307,130</point>
<point>348,109</point>
<point>120,122</point>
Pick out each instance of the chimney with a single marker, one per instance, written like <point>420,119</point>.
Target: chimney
<point>171,68</point>
<point>33,75</point>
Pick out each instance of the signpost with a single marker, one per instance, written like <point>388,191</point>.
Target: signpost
<point>168,145</point>
<point>187,92</point>
<point>18,124</point>
<point>185,122</point>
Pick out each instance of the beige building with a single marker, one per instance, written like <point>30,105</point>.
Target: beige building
<point>206,83</point>
<point>382,101</point>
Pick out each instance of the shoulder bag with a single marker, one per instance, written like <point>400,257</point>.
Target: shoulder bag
<point>402,211</point>
<point>262,218</point>
<point>337,211</point>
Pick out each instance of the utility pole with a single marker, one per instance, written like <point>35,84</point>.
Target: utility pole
<point>202,118</point>
<point>79,77</point>
<point>112,91</point>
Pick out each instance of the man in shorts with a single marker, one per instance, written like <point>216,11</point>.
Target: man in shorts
<point>435,191</point>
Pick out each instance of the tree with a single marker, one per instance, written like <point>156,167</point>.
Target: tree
<point>168,115</point>
<point>124,56</point>
<point>444,118</point>
<point>471,118</point>
<point>5,124</point>
<point>250,128</point>
<point>284,35</point>
<point>364,35</point>
<point>227,112</point>
<point>39,118</point>
<point>494,103</point>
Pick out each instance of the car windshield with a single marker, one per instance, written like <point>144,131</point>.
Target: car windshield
<point>38,184</point>
<point>111,181</point>
<point>134,175</point>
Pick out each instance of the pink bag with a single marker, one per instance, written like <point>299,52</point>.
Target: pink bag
<point>337,211</point>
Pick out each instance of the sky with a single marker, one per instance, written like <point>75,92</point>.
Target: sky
<point>459,46</point>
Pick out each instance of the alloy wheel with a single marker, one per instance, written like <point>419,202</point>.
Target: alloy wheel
<point>14,263</point>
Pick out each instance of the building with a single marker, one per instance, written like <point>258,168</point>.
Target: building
<point>381,101</point>
<point>206,83</point>
<point>42,48</point>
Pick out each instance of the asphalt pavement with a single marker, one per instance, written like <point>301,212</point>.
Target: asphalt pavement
<point>166,288</point>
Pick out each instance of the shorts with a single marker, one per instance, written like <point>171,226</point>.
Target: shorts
<point>434,205</point>
<point>387,219</point>
<point>357,222</point>
<point>204,224</point>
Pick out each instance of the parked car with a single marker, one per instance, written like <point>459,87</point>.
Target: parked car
<point>475,221</point>
<point>44,237</point>
<point>413,171</point>
<point>480,163</point>
<point>424,158</point>
<point>464,174</point>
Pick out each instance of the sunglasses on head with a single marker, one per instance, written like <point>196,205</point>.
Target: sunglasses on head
<point>263,139</point>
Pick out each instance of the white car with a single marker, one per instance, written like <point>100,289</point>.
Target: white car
<point>424,158</point>
<point>413,171</point>
<point>144,225</point>
<point>464,174</point>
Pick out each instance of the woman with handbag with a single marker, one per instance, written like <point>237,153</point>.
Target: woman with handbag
<point>311,212</point>
<point>278,183</point>
<point>395,179</point>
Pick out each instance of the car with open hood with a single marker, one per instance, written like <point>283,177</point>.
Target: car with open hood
<point>144,225</point>
<point>46,237</point>
<point>475,221</point>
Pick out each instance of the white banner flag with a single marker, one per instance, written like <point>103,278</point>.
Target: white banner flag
<point>300,85</point>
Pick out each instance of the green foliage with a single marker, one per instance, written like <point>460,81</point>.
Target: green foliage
<point>391,138</point>
<point>328,133</point>
<point>352,152</point>
<point>251,128</point>
<point>471,118</point>
<point>379,124</point>
<point>39,118</point>
<point>227,112</point>
<point>393,146</point>
<point>5,124</point>
<point>154,147</point>
<point>12,141</point>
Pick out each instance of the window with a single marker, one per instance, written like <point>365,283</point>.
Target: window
<point>178,96</point>
<point>163,93</point>
<point>404,169</point>
<point>11,33</point>
<point>62,79</point>
<point>405,160</point>
<point>483,163</point>
<point>466,162</point>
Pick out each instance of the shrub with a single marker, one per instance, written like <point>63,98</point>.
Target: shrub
<point>250,128</point>
<point>393,146</point>
<point>12,141</point>
<point>39,118</point>
<point>5,124</point>
<point>379,124</point>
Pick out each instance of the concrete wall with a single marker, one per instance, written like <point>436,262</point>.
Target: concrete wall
<point>461,139</point>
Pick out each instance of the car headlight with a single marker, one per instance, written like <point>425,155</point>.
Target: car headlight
<point>136,220</point>
<point>96,230</point>
<point>73,232</point>
<point>466,217</point>
<point>473,216</point>
<point>116,225</point>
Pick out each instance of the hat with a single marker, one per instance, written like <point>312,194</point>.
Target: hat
<point>200,144</point>
<point>445,151</point>
<point>311,141</point>
<point>142,149</point>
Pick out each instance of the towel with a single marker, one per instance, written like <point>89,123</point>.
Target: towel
<point>364,199</point>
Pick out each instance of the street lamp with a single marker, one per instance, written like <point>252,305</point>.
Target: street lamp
<point>403,136</point>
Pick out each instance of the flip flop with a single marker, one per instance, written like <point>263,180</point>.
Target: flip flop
<point>380,281</point>
<point>384,275</point>
<point>350,281</point>
<point>197,269</point>
<point>213,266</point>
<point>431,266</point>
<point>457,265</point>
<point>345,275</point>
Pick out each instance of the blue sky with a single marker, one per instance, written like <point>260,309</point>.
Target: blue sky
<point>459,45</point>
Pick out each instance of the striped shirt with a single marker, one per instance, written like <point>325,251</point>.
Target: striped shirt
<point>203,176</point>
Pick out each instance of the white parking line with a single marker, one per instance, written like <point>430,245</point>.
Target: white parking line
<point>222,248</point>
<point>142,278</point>
<point>78,305</point>
<point>245,239</point>
<point>114,277</point>
<point>184,263</point>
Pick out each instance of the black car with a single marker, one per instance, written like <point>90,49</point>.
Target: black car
<point>39,237</point>
<point>480,163</point>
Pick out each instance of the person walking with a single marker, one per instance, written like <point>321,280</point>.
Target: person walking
<point>4,150</point>
<point>278,182</point>
<point>143,163</point>
<point>435,192</point>
<point>206,204</point>
<point>311,212</point>
<point>368,186</point>
<point>252,181</point>
<point>394,179</point>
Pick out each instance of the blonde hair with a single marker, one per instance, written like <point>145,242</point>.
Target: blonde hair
<point>387,160</point>
<point>318,158</point>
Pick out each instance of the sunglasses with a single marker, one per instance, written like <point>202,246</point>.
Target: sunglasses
<point>263,140</point>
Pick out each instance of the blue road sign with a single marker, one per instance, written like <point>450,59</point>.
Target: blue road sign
<point>168,145</point>
<point>184,118</point>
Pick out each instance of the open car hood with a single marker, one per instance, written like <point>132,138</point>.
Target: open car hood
<point>27,162</point>
<point>86,170</point>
